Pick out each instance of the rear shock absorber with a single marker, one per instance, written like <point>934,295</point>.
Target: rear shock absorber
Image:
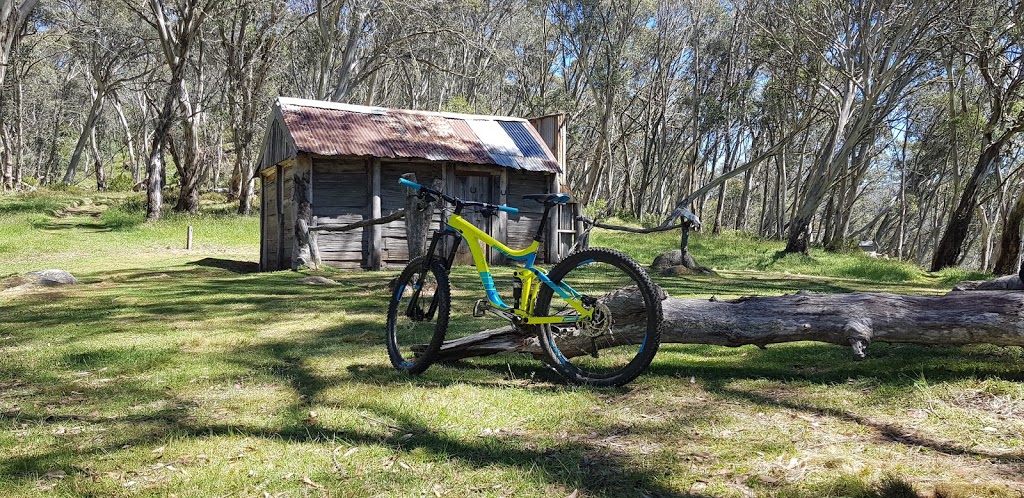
<point>517,289</point>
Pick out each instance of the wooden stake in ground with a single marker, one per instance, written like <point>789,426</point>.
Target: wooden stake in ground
<point>854,319</point>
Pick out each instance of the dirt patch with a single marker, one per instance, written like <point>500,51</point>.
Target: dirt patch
<point>1001,405</point>
<point>12,282</point>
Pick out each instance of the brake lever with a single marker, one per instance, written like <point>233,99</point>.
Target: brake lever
<point>427,199</point>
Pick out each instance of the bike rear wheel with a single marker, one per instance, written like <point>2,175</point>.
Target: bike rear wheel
<point>621,339</point>
<point>418,315</point>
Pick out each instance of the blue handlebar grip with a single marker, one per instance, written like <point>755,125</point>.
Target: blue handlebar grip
<point>508,209</point>
<point>409,184</point>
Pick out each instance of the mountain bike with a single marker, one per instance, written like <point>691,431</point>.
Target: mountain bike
<point>596,314</point>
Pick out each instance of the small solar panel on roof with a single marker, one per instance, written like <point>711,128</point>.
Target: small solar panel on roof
<point>523,139</point>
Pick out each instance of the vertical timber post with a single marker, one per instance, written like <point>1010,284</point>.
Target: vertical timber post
<point>279,186</point>
<point>554,221</point>
<point>502,234</point>
<point>188,240</point>
<point>376,239</point>
<point>449,182</point>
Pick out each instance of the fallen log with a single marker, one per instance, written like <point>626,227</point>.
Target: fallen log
<point>853,319</point>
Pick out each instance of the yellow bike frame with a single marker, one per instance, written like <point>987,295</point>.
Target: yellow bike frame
<point>531,276</point>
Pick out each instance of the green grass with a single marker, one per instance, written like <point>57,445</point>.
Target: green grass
<point>738,251</point>
<point>174,372</point>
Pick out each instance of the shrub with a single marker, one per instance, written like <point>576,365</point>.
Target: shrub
<point>64,187</point>
<point>32,202</point>
<point>879,270</point>
<point>119,219</point>
<point>121,183</point>
<point>955,275</point>
<point>133,204</point>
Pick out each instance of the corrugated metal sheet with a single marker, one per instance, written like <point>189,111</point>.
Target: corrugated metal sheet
<point>524,140</point>
<point>331,129</point>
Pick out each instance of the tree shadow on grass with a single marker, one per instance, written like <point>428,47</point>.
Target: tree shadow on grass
<point>67,224</point>
<point>201,293</point>
<point>574,461</point>
<point>893,433</point>
<point>898,367</point>
<point>234,266</point>
<point>515,372</point>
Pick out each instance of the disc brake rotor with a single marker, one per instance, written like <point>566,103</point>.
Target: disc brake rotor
<point>599,324</point>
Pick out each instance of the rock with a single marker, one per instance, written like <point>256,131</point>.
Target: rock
<point>52,278</point>
<point>679,271</point>
<point>967,285</point>
<point>674,264</point>
<point>667,260</point>
<point>41,278</point>
<point>317,280</point>
<point>1009,282</point>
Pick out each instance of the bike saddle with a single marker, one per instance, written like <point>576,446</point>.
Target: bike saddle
<point>549,198</point>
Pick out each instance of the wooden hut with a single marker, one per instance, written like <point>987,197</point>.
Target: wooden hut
<point>335,164</point>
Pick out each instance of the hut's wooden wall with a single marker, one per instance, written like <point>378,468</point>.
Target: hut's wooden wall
<point>341,196</point>
<point>395,247</point>
<point>520,183</point>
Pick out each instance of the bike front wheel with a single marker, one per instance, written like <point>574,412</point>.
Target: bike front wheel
<point>418,315</point>
<point>620,340</point>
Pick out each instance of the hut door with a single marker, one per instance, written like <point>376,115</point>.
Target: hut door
<point>473,187</point>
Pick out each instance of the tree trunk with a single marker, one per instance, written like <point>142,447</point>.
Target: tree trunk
<point>245,196</point>
<point>853,319</point>
<point>6,160</point>
<point>819,179</point>
<point>155,165</point>
<point>12,16</point>
<point>19,131</point>
<point>191,166</point>
<point>101,177</point>
<point>305,249</point>
<point>948,251</point>
<point>133,161</point>
<point>418,214</point>
<point>1009,242</point>
<point>83,137</point>
<point>741,214</point>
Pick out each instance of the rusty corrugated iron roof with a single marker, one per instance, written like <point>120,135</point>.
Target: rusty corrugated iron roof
<point>332,129</point>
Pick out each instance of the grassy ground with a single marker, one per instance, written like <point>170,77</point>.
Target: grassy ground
<point>183,373</point>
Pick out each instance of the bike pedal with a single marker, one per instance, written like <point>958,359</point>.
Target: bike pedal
<point>480,308</point>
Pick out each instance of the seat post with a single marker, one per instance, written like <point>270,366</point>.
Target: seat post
<point>543,222</point>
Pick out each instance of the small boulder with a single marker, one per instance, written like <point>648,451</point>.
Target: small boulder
<point>678,271</point>
<point>317,280</point>
<point>667,260</point>
<point>52,278</point>
<point>41,278</point>
<point>674,264</point>
<point>1009,282</point>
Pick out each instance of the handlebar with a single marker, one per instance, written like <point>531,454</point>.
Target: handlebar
<point>455,200</point>
<point>409,183</point>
